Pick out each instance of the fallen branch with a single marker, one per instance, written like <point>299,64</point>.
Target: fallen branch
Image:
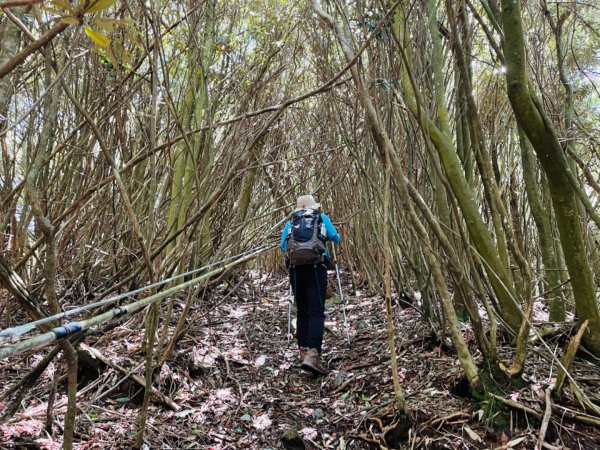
<point>577,416</point>
<point>567,359</point>
<point>566,412</point>
<point>546,420</point>
<point>440,421</point>
<point>516,405</point>
<point>139,380</point>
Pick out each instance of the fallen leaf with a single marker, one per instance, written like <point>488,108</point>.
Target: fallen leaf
<point>24,427</point>
<point>474,436</point>
<point>225,395</point>
<point>48,444</point>
<point>503,438</point>
<point>308,433</point>
<point>262,422</point>
<point>515,441</point>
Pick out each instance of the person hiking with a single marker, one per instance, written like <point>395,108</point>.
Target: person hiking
<point>304,240</point>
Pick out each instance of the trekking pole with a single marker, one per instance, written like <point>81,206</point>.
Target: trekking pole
<point>289,333</point>
<point>337,274</point>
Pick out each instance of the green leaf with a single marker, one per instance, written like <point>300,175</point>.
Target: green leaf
<point>122,399</point>
<point>111,57</point>
<point>70,20</point>
<point>99,38</point>
<point>99,5</point>
<point>64,4</point>
<point>52,10</point>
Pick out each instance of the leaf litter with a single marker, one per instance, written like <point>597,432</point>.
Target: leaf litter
<point>239,385</point>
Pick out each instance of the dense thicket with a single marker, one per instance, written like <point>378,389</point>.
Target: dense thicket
<point>145,139</point>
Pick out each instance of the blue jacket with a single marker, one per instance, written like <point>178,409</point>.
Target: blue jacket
<point>332,234</point>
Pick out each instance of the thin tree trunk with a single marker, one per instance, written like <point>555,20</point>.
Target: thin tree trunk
<point>391,329</point>
<point>541,217</point>
<point>498,275</point>
<point>542,135</point>
<point>385,146</point>
<point>44,224</point>
<point>20,58</point>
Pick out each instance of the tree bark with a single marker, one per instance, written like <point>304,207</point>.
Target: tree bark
<point>541,218</point>
<point>481,238</point>
<point>543,137</point>
<point>385,146</point>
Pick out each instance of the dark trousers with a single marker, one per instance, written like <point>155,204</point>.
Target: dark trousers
<point>309,284</point>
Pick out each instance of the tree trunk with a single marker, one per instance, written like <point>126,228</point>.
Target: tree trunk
<point>385,147</point>
<point>542,135</point>
<point>481,238</point>
<point>541,217</point>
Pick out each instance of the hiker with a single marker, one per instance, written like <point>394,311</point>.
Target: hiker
<point>304,239</point>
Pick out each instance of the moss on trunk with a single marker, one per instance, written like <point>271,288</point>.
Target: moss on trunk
<point>543,137</point>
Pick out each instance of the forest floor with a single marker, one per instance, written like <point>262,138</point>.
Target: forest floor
<point>236,384</point>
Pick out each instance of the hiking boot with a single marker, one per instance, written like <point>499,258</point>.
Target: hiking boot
<point>303,352</point>
<point>312,362</point>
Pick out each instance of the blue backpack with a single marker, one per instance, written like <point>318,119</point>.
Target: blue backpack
<point>307,237</point>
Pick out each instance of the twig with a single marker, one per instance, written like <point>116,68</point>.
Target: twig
<point>583,399</point>
<point>16,3</point>
<point>546,420</point>
<point>365,439</point>
<point>384,430</point>
<point>378,440</point>
<point>573,415</point>
<point>442,420</point>
<point>345,384</point>
<point>517,405</point>
<point>235,380</point>
<point>20,58</point>
<point>552,447</point>
<point>374,408</point>
<point>567,359</point>
<point>117,384</point>
<point>155,392</point>
<point>578,416</point>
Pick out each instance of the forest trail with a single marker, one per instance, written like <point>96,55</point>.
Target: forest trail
<point>453,144</point>
<point>237,384</point>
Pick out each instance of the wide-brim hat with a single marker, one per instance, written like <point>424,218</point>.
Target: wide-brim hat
<point>306,202</point>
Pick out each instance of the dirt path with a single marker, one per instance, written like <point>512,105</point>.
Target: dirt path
<point>239,385</point>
